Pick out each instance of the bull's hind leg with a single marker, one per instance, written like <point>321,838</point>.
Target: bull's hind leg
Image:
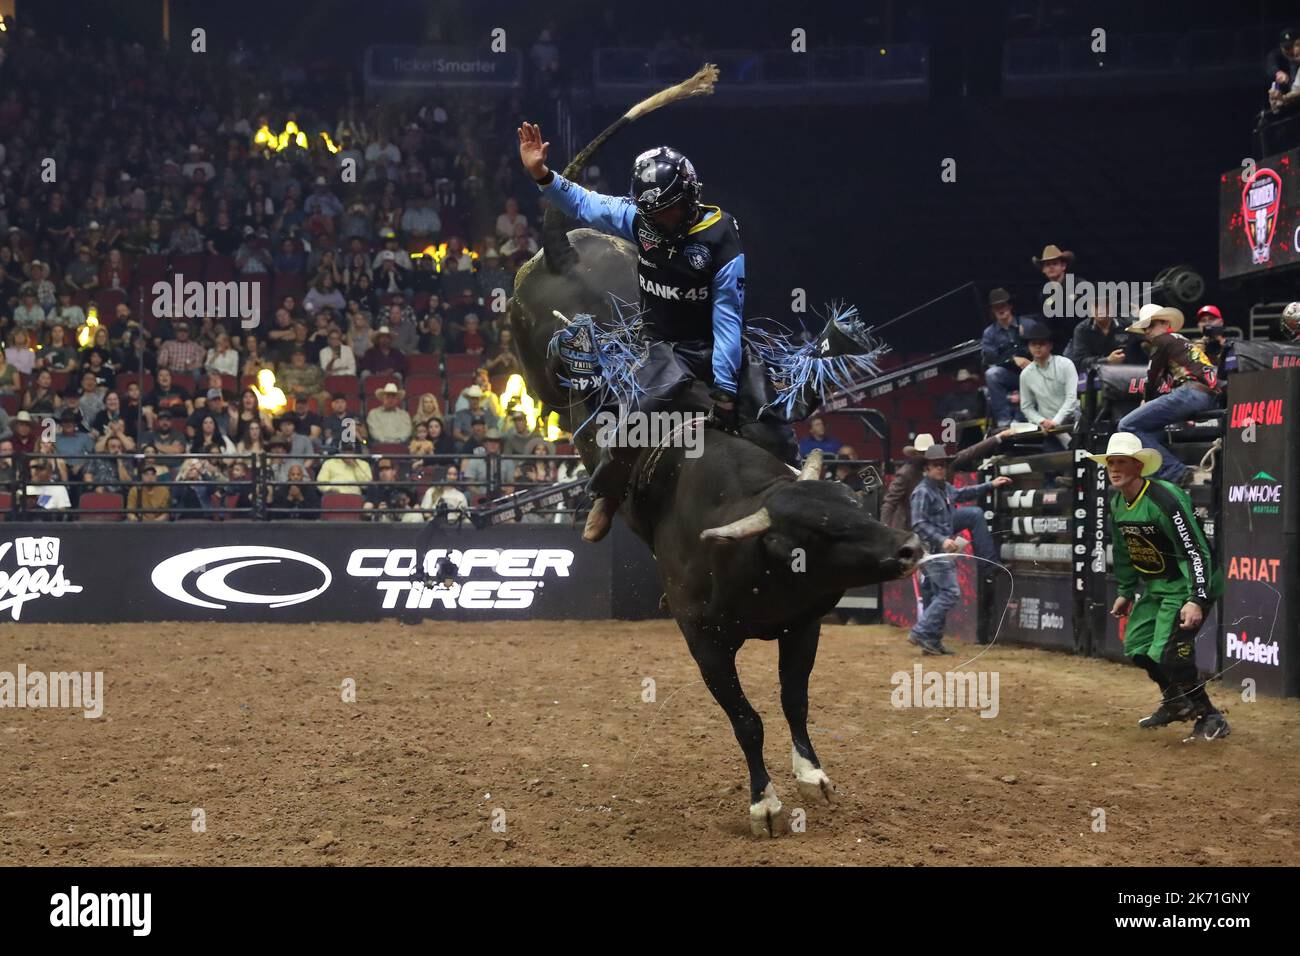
<point>716,657</point>
<point>798,652</point>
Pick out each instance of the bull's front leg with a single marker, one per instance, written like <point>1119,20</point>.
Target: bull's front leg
<point>798,652</point>
<point>716,657</point>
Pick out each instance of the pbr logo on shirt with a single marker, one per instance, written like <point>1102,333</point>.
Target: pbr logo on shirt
<point>649,238</point>
<point>698,256</point>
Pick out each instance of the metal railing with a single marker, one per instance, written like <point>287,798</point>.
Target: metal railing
<point>258,487</point>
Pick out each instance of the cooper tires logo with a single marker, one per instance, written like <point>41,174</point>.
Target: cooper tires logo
<point>173,576</point>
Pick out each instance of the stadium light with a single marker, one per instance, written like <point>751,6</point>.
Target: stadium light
<point>517,393</point>
<point>270,397</point>
<point>439,253</point>
<point>86,334</point>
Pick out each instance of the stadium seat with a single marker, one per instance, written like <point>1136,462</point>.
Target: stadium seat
<point>462,365</point>
<point>285,284</point>
<point>421,364</point>
<point>192,267</point>
<point>149,270</point>
<point>92,502</point>
<point>374,383</point>
<point>126,378</point>
<point>59,381</point>
<point>220,269</point>
<point>9,403</point>
<point>389,448</point>
<point>107,301</point>
<point>6,505</point>
<point>338,507</point>
<point>186,380</point>
<point>417,385</point>
<point>347,384</point>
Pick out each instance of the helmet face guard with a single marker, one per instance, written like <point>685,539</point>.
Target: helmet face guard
<point>661,179</point>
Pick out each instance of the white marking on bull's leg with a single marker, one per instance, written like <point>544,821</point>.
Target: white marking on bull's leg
<point>768,817</point>
<point>812,781</point>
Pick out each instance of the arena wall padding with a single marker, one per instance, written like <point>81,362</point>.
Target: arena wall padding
<point>1260,534</point>
<point>312,571</point>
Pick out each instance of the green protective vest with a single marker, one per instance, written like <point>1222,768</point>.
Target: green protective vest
<point>1160,547</point>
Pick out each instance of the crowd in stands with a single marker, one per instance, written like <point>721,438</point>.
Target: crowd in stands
<point>382,294</point>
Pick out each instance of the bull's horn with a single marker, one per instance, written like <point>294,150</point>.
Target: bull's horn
<point>560,315</point>
<point>812,466</point>
<point>749,526</point>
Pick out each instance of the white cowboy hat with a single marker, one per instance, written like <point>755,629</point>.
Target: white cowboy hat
<point>919,444</point>
<point>390,389</point>
<point>1151,312</point>
<point>1128,445</point>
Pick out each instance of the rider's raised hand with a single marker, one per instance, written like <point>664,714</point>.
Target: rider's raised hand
<point>532,151</point>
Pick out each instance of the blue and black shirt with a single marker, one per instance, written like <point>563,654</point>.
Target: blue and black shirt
<point>692,287</point>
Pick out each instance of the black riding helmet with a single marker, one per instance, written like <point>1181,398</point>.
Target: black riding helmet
<point>663,177</point>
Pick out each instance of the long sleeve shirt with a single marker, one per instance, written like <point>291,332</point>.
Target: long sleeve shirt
<point>692,287</point>
<point>895,508</point>
<point>932,503</point>
<point>1050,391</point>
<point>1159,546</point>
<point>1177,361</point>
<point>1090,346</point>
<point>999,346</point>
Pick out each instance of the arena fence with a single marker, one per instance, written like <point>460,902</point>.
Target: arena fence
<point>247,571</point>
<point>262,487</point>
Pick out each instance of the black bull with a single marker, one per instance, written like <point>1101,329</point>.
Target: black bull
<point>744,549</point>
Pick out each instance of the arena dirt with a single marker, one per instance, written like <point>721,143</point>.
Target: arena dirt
<point>545,721</point>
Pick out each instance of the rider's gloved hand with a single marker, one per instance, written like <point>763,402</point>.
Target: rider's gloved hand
<point>723,414</point>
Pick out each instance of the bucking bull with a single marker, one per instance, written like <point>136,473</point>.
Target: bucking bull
<point>745,548</point>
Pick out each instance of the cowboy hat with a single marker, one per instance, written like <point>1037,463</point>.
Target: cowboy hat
<point>382,330</point>
<point>920,444</point>
<point>1031,330</point>
<point>391,389</point>
<point>1051,252</point>
<point>999,297</point>
<point>1151,313</point>
<point>1128,445</point>
<point>936,454</point>
<point>473,392</point>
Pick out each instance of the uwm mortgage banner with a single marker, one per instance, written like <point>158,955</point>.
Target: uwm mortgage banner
<point>430,66</point>
<point>316,571</point>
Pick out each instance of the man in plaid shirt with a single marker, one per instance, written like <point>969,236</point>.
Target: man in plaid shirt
<point>181,354</point>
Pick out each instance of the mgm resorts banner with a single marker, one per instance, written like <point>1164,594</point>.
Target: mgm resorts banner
<point>317,571</point>
<point>421,67</point>
<point>1261,533</point>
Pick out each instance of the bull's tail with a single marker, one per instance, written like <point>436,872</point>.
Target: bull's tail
<point>558,251</point>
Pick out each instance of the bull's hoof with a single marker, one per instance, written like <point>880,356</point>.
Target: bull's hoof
<point>814,786</point>
<point>767,817</point>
